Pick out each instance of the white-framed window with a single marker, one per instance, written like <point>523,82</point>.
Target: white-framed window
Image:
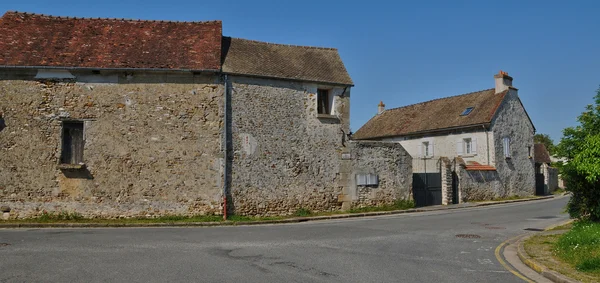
<point>426,149</point>
<point>367,180</point>
<point>506,146</point>
<point>466,146</point>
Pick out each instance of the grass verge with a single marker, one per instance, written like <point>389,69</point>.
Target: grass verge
<point>544,248</point>
<point>73,217</point>
<point>558,191</point>
<point>397,205</point>
<point>580,247</point>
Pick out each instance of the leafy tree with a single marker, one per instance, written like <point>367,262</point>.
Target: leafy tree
<point>581,146</point>
<point>546,140</point>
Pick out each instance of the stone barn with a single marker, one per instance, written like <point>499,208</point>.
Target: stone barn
<point>126,118</point>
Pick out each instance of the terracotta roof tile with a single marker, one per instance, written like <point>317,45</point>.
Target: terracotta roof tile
<point>476,166</point>
<point>262,59</point>
<point>438,114</point>
<point>541,153</point>
<point>40,40</point>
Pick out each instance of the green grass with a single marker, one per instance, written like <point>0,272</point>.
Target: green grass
<point>398,205</point>
<point>513,197</point>
<point>73,217</point>
<point>580,247</point>
<point>558,191</point>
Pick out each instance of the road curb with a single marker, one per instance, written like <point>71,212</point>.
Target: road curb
<point>538,267</point>
<point>245,223</point>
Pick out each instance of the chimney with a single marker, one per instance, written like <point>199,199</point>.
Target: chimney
<point>503,81</point>
<point>380,107</point>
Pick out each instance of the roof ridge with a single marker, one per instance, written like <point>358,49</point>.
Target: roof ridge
<point>288,45</point>
<point>110,19</point>
<point>438,99</point>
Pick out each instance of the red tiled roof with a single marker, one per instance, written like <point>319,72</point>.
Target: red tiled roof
<point>40,40</point>
<point>476,166</point>
<point>438,114</point>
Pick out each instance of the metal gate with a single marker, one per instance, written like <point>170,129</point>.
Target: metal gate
<point>539,184</point>
<point>454,188</point>
<point>427,189</point>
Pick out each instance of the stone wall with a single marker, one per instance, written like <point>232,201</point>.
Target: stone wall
<point>517,172</point>
<point>285,157</point>
<point>476,185</point>
<point>550,178</point>
<point>389,161</point>
<point>152,144</point>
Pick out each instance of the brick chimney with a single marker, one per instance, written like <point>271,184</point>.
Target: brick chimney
<point>380,107</point>
<point>503,81</point>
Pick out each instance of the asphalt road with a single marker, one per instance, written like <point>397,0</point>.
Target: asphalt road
<point>419,247</point>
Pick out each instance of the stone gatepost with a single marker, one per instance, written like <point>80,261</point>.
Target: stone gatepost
<point>446,170</point>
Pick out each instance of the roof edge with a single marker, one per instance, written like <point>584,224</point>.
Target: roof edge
<point>287,79</point>
<point>110,69</point>
<point>109,19</point>
<point>486,125</point>
<point>287,45</point>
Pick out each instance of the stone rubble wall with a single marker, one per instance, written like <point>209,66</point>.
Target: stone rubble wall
<point>475,185</point>
<point>285,158</point>
<point>550,178</point>
<point>152,145</point>
<point>389,161</point>
<point>516,173</point>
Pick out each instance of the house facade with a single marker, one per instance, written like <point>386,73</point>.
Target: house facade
<point>485,137</point>
<point>124,118</point>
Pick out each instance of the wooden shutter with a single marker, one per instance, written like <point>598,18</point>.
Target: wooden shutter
<point>459,147</point>
<point>420,150</point>
<point>430,145</point>
<point>474,145</point>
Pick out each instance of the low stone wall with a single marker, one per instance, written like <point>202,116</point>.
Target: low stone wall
<point>389,161</point>
<point>477,185</point>
<point>550,178</point>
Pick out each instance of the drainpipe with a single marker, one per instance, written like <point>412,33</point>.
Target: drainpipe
<point>487,141</point>
<point>226,144</point>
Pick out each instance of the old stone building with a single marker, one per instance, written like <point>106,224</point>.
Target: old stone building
<point>474,146</point>
<point>120,118</point>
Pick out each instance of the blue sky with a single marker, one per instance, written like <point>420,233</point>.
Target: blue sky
<point>405,52</point>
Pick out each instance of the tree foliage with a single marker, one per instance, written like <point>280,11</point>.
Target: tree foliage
<point>546,140</point>
<point>581,146</point>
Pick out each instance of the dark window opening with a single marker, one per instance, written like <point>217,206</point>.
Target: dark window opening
<point>467,111</point>
<point>323,101</point>
<point>72,142</point>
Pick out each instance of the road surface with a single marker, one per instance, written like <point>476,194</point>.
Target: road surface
<point>418,247</point>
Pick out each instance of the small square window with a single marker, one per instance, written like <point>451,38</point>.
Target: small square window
<point>324,101</point>
<point>72,142</point>
<point>367,180</point>
<point>467,111</point>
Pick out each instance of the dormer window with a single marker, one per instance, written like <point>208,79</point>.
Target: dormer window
<point>467,111</point>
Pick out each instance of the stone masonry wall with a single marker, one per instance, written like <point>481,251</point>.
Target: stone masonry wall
<point>389,161</point>
<point>550,178</point>
<point>516,172</point>
<point>285,158</point>
<point>475,185</point>
<point>152,145</point>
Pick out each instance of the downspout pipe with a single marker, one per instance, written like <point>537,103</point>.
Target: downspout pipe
<point>487,142</point>
<point>226,139</point>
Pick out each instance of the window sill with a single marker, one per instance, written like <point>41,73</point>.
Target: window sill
<point>468,155</point>
<point>71,166</point>
<point>327,116</point>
